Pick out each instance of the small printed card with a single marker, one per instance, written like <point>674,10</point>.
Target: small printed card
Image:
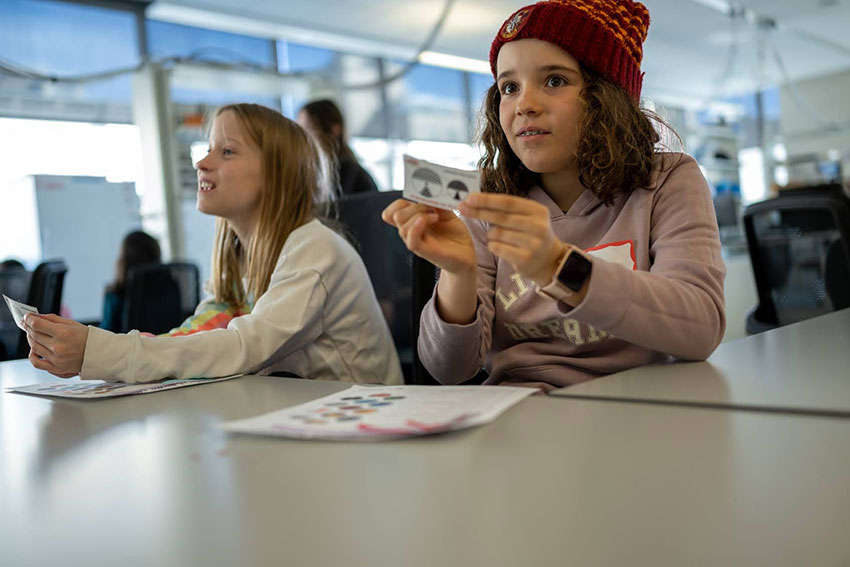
<point>18,310</point>
<point>89,389</point>
<point>373,413</point>
<point>437,185</point>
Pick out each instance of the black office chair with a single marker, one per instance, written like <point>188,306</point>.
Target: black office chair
<point>45,294</point>
<point>159,297</point>
<point>403,282</point>
<point>799,245</point>
<point>15,284</point>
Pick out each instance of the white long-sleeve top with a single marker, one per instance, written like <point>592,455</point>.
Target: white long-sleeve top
<point>319,319</point>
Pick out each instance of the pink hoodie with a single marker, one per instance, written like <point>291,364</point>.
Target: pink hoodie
<point>656,289</point>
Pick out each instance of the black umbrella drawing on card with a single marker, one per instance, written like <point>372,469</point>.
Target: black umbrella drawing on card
<point>427,182</point>
<point>459,188</point>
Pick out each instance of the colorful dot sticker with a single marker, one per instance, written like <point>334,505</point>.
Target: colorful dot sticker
<point>349,408</point>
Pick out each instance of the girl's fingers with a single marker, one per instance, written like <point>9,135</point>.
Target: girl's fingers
<point>37,347</point>
<point>492,216</point>
<point>56,319</point>
<point>515,255</point>
<point>415,233</point>
<point>409,221</point>
<point>503,203</point>
<point>401,210</point>
<point>46,365</point>
<point>405,215</point>
<point>538,223</point>
<point>517,238</point>
<point>397,205</point>
<point>40,325</point>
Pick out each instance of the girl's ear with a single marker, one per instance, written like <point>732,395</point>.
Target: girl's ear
<point>336,131</point>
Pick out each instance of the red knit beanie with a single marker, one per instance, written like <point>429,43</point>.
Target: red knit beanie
<point>603,35</point>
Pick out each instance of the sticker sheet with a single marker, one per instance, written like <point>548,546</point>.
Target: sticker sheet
<point>96,389</point>
<point>365,413</point>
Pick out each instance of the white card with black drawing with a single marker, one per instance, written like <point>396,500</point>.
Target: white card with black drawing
<point>437,185</point>
<point>18,310</point>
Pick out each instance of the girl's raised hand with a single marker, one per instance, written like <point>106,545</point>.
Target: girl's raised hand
<point>434,234</point>
<point>57,345</point>
<point>520,232</point>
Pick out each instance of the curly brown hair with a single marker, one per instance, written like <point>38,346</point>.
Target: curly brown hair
<point>616,147</point>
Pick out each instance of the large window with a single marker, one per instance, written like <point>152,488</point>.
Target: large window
<point>167,40</point>
<point>478,86</point>
<point>56,38</point>
<point>429,103</point>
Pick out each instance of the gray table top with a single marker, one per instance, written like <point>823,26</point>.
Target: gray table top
<point>804,367</point>
<point>150,480</point>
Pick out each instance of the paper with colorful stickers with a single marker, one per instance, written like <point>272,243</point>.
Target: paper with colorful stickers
<point>88,389</point>
<point>362,413</point>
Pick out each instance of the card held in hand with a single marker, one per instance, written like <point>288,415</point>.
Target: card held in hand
<point>18,310</point>
<point>437,185</point>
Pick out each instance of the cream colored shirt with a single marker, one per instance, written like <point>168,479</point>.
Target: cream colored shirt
<point>319,319</point>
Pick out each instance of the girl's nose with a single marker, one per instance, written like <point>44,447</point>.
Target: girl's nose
<point>528,102</point>
<point>202,164</point>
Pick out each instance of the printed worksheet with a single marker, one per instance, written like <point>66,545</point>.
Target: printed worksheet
<point>91,389</point>
<point>437,185</point>
<point>370,413</point>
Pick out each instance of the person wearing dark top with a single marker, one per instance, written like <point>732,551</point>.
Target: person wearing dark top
<point>138,248</point>
<point>324,121</point>
<point>15,286</point>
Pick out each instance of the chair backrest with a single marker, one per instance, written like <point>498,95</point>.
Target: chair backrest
<point>14,284</point>
<point>403,282</point>
<point>800,251</point>
<point>159,297</point>
<point>45,293</point>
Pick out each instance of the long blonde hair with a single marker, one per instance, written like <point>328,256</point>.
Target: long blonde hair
<point>293,184</point>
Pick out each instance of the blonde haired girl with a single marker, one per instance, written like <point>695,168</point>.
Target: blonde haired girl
<point>309,308</point>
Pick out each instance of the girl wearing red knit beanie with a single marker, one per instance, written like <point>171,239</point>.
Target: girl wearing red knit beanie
<point>589,251</point>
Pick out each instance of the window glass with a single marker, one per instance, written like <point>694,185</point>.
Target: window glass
<point>478,86</point>
<point>428,103</point>
<point>166,40</point>
<point>71,192</point>
<point>58,38</point>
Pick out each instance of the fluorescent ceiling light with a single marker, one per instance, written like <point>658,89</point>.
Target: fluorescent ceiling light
<point>454,62</point>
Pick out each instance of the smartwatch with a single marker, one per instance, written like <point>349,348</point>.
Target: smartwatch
<point>570,276</point>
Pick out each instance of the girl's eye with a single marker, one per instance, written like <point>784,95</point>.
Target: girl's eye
<point>508,88</point>
<point>227,152</point>
<point>555,81</point>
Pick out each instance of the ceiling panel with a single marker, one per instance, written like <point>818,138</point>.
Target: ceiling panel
<point>686,52</point>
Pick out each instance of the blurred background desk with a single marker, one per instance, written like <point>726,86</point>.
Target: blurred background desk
<point>150,480</point>
<point>803,367</point>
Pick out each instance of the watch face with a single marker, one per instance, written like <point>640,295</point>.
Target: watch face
<point>575,271</point>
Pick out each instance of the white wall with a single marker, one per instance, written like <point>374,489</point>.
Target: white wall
<point>829,98</point>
